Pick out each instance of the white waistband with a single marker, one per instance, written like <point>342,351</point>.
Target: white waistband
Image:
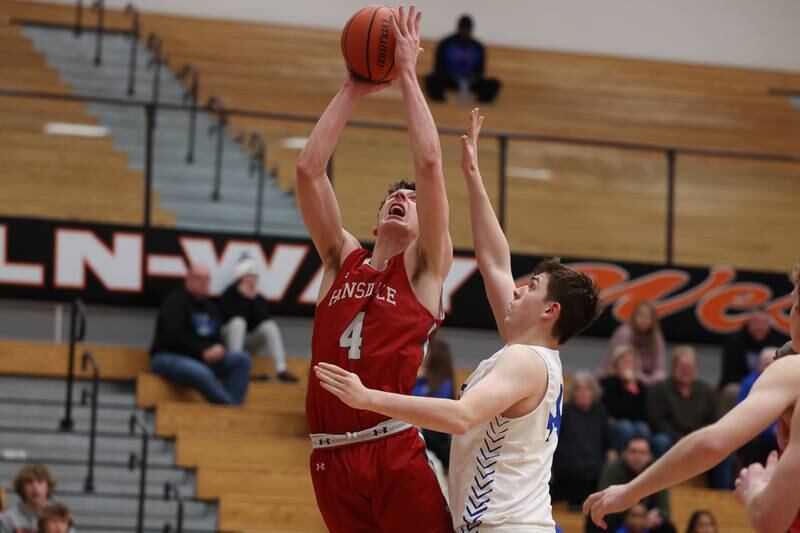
<point>384,429</point>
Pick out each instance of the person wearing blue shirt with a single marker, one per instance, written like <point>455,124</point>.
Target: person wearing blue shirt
<point>460,64</point>
<point>757,450</point>
<point>435,380</point>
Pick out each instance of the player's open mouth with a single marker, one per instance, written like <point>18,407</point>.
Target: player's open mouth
<point>397,211</point>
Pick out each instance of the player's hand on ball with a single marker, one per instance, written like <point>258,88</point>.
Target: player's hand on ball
<point>361,87</point>
<point>469,143</point>
<point>614,499</point>
<point>406,33</point>
<point>753,479</point>
<point>343,384</point>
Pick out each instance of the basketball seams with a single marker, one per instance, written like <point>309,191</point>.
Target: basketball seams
<point>369,35</point>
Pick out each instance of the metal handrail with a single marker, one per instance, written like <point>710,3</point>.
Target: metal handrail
<point>133,35</point>
<point>258,156</point>
<point>190,95</point>
<point>100,7</point>
<point>216,107</point>
<point>134,461</point>
<point>172,490</point>
<point>157,60</point>
<point>78,28</point>
<point>88,359</point>
<point>77,332</point>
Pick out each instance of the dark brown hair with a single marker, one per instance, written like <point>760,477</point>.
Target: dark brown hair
<point>576,293</point>
<point>439,367</point>
<point>695,518</point>
<point>33,472</point>
<point>396,186</point>
<point>55,511</point>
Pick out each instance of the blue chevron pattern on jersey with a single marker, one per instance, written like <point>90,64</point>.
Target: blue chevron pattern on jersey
<point>480,489</point>
<point>554,421</point>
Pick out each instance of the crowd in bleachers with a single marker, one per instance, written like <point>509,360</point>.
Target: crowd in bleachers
<point>36,512</point>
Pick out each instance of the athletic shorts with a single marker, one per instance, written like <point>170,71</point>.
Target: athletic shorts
<point>385,485</point>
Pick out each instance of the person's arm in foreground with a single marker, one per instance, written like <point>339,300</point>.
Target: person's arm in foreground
<point>699,451</point>
<point>511,379</point>
<point>770,494</point>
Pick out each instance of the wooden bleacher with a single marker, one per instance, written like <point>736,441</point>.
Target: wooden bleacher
<point>58,176</point>
<point>620,194</point>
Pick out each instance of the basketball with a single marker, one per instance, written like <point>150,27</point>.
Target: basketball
<point>368,44</point>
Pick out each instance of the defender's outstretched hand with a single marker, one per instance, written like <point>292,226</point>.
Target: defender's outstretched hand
<point>753,479</point>
<point>343,384</point>
<point>406,33</point>
<point>469,143</point>
<point>614,499</point>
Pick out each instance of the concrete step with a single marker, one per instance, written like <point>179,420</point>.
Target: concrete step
<point>238,193</point>
<point>48,417</point>
<point>106,475</point>
<point>267,228</point>
<point>111,394</point>
<point>113,512</point>
<point>45,446</point>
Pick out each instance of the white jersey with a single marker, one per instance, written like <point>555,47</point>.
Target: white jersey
<point>500,471</point>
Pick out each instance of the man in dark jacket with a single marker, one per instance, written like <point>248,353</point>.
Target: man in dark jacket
<point>187,348</point>
<point>247,319</point>
<point>635,458</point>
<point>741,353</point>
<point>460,64</point>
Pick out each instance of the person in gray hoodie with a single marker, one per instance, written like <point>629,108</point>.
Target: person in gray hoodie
<point>33,484</point>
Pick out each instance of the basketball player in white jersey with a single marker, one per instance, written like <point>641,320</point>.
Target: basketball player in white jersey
<point>507,420</point>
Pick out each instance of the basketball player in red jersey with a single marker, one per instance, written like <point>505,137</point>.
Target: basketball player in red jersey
<point>376,313</point>
<point>770,494</point>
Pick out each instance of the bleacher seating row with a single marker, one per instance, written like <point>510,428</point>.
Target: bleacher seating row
<point>621,193</point>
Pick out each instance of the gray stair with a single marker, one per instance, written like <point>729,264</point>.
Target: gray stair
<point>30,411</point>
<point>183,188</point>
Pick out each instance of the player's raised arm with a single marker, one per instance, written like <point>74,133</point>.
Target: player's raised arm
<point>491,246</point>
<point>696,453</point>
<point>435,248</point>
<point>770,494</point>
<point>315,194</point>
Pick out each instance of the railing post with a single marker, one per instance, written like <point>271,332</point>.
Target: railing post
<point>172,489</point>
<point>141,462</point>
<point>99,5</point>
<point>78,29</point>
<point>77,330</point>
<point>218,129</point>
<point>156,46</point>
<point>670,248</point>
<point>131,11</point>
<point>259,149</point>
<point>149,126</point>
<point>501,180</point>
<point>88,485</point>
<point>190,94</point>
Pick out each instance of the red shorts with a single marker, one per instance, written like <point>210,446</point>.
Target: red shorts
<point>795,528</point>
<point>385,485</point>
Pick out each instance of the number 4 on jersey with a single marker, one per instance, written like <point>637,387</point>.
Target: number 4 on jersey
<point>351,337</point>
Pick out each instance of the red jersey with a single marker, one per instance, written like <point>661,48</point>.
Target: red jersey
<point>371,323</point>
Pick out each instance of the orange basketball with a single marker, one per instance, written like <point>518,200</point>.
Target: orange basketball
<point>368,44</point>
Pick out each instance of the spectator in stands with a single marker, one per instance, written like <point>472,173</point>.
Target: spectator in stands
<point>740,355</point>
<point>56,518</point>
<point>635,458</point>
<point>635,520</point>
<point>625,396</point>
<point>33,484</point>
<point>461,64</point>
<point>757,450</point>
<point>702,522</point>
<point>682,404</point>
<point>643,332</point>
<point>435,379</point>
<point>583,442</point>
<point>247,319</point>
<point>187,349</point>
